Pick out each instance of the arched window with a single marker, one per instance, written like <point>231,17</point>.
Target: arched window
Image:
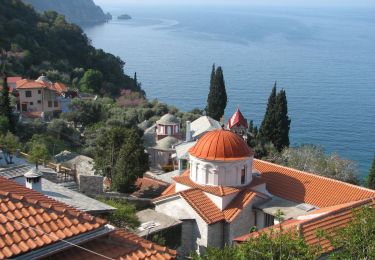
<point>243,175</point>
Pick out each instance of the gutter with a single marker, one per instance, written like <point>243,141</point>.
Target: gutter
<point>61,245</point>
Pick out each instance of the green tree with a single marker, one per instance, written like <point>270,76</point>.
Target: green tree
<point>217,96</point>
<point>4,125</point>
<point>124,216</point>
<point>9,144</point>
<point>91,81</point>
<point>38,153</point>
<point>269,124</point>
<point>312,158</point>
<point>357,239</point>
<point>281,131</point>
<point>131,164</point>
<point>5,108</point>
<point>275,244</point>
<point>371,176</point>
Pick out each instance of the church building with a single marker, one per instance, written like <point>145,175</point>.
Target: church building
<point>226,192</point>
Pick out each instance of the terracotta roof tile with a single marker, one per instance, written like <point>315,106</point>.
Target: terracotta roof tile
<point>199,201</point>
<point>17,216</point>
<point>239,203</point>
<point>216,190</point>
<point>221,145</point>
<point>119,244</point>
<point>327,219</point>
<point>306,187</point>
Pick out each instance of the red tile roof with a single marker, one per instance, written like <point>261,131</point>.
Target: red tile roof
<point>215,190</point>
<point>13,80</point>
<point>149,187</point>
<point>237,119</point>
<point>300,186</point>
<point>327,219</point>
<point>199,201</point>
<point>118,245</point>
<point>35,114</point>
<point>221,145</point>
<point>241,202</point>
<point>29,220</point>
<point>34,84</point>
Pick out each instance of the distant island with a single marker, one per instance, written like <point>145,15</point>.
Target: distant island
<point>124,17</point>
<point>80,12</point>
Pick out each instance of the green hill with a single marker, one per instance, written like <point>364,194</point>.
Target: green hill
<point>75,11</point>
<point>36,43</point>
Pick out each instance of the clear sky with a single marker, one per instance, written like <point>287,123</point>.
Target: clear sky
<point>241,2</point>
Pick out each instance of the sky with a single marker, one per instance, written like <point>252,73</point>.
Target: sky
<point>306,3</point>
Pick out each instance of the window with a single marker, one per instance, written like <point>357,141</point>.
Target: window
<point>31,103</point>
<point>49,103</point>
<point>243,175</point>
<point>28,93</point>
<point>55,103</point>
<point>268,220</point>
<point>39,102</point>
<point>39,91</point>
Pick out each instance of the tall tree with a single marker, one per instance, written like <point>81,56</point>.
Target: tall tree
<point>131,164</point>
<point>217,97</point>
<point>267,128</point>
<point>5,108</point>
<point>91,81</point>
<point>281,131</point>
<point>371,176</point>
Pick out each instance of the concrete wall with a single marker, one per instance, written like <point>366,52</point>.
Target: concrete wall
<point>178,208</point>
<point>159,158</point>
<point>91,184</point>
<point>40,101</point>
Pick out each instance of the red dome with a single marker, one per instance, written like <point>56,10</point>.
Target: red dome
<point>221,145</point>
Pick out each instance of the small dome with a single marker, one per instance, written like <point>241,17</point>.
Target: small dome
<point>33,173</point>
<point>221,145</point>
<point>43,79</point>
<point>168,119</point>
<point>167,143</point>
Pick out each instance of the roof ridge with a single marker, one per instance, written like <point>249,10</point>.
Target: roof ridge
<point>339,210</point>
<point>313,175</point>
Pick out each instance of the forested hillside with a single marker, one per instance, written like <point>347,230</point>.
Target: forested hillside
<point>33,43</point>
<point>75,11</point>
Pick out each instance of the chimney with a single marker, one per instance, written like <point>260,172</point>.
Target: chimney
<point>188,131</point>
<point>34,179</point>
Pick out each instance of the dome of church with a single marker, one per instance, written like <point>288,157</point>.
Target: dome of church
<point>168,119</point>
<point>221,145</point>
<point>43,79</point>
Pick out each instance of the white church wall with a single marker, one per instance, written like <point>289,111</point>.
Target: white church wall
<point>178,208</point>
<point>221,202</point>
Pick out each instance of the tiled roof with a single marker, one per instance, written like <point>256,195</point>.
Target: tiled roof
<point>237,119</point>
<point>221,145</point>
<point>203,205</point>
<point>30,220</point>
<point>300,186</point>
<point>35,84</point>
<point>13,80</point>
<point>327,219</point>
<point>216,190</point>
<point>119,244</point>
<point>149,187</point>
<point>199,201</point>
<point>34,114</point>
<point>239,203</point>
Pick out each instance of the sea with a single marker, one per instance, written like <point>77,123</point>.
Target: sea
<point>324,58</point>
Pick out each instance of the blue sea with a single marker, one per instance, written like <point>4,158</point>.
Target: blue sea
<point>323,58</point>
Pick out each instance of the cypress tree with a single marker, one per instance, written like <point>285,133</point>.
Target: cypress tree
<point>135,81</point>
<point>217,97</point>
<point>5,108</point>
<point>371,176</point>
<point>281,132</point>
<point>267,128</point>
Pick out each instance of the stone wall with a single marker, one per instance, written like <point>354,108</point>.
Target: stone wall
<point>91,184</point>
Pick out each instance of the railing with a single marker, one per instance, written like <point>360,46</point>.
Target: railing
<point>56,167</point>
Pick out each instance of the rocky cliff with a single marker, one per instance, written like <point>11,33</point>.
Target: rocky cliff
<point>76,11</point>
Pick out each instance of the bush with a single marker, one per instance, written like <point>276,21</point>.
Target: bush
<point>124,216</point>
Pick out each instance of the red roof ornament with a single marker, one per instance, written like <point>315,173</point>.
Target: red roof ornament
<point>237,119</point>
